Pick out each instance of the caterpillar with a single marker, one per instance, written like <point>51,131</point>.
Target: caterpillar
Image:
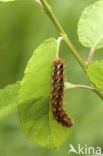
<point>57,94</point>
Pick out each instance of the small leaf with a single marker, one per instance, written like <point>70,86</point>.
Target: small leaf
<point>90,26</point>
<point>34,109</point>
<point>8,99</point>
<point>95,74</point>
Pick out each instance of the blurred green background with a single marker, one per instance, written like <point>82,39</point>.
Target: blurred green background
<point>23,26</point>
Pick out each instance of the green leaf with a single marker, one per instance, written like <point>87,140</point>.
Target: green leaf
<point>34,109</point>
<point>8,99</point>
<point>95,74</point>
<point>90,26</point>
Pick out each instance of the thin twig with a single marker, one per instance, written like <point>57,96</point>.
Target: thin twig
<point>69,85</point>
<point>84,87</point>
<point>49,12</point>
<point>38,2</point>
<point>93,49</point>
<point>59,41</point>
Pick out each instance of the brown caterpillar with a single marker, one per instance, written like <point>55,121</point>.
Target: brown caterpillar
<point>57,94</point>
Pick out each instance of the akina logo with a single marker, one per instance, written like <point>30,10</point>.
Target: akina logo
<point>82,150</point>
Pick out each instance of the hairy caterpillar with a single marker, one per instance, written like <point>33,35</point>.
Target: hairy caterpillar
<point>57,94</point>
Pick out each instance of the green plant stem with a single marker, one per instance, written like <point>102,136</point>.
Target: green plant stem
<point>38,2</point>
<point>80,86</point>
<point>49,12</point>
<point>70,86</point>
<point>93,49</point>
